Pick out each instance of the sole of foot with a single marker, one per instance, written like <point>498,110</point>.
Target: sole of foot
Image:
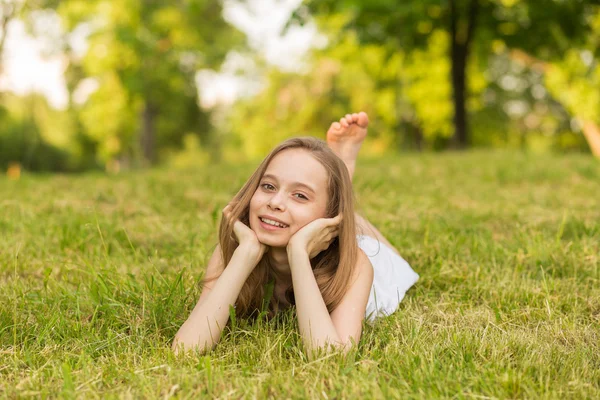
<point>346,136</point>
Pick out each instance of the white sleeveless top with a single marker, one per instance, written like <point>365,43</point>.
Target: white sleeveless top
<point>392,277</point>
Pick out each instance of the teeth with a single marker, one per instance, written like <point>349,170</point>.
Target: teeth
<point>274,223</point>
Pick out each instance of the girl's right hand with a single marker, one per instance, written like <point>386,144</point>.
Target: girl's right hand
<point>246,238</point>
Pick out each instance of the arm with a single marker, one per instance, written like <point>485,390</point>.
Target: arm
<point>318,328</point>
<point>350,313</point>
<point>202,330</point>
<point>203,327</point>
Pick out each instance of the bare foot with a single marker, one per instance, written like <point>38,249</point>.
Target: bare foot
<point>346,137</point>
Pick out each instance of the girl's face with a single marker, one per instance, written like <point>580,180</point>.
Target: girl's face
<point>292,192</point>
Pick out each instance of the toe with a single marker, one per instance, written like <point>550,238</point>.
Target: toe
<point>349,118</point>
<point>335,126</point>
<point>355,117</point>
<point>343,122</point>
<point>363,119</point>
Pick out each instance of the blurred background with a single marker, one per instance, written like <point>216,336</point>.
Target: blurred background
<point>120,84</point>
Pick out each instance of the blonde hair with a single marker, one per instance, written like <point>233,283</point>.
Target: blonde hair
<point>333,268</point>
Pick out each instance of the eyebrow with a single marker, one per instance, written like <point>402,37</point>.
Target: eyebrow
<point>304,185</point>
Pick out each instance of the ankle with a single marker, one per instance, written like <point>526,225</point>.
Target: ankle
<point>351,167</point>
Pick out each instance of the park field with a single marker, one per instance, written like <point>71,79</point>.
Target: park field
<point>97,273</point>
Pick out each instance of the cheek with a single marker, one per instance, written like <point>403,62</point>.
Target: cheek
<point>304,216</point>
<point>255,201</point>
<point>253,210</point>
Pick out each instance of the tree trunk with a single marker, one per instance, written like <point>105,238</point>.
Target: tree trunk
<point>417,134</point>
<point>147,134</point>
<point>461,36</point>
<point>591,131</point>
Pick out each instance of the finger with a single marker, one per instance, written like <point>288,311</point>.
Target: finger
<point>334,233</point>
<point>335,220</point>
<point>326,224</point>
<point>325,244</point>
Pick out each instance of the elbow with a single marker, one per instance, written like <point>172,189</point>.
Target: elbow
<point>326,348</point>
<point>178,346</point>
<point>182,345</point>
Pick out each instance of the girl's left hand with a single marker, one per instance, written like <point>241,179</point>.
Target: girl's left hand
<point>315,236</point>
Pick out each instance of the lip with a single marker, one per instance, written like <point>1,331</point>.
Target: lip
<point>271,227</point>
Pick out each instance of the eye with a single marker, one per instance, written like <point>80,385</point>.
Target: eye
<point>267,186</point>
<point>301,196</point>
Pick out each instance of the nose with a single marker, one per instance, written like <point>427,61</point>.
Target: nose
<point>277,202</point>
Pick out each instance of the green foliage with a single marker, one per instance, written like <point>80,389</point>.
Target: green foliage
<point>401,92</point>
<point>144,56</point>
<point>428,88</point>
<point>37,137</point>
<point>576,85</point>
<point>574,79</point>
<point>531,68</point>
<point>422,31</point>
<point>117,131</point>
<point>21,144</point>
<point>338,81</point>
<point>98,273</point>
<point>191,156</point>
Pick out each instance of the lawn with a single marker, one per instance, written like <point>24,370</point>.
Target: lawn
<point>97,273</point>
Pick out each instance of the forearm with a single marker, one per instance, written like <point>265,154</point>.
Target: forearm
<point>203,327</point>
<point>315,324</point>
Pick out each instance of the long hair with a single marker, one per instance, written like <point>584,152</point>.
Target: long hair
<point>333,267</point>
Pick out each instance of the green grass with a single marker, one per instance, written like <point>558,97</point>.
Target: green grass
<point>98,272</point>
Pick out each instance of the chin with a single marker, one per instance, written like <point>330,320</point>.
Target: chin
<point>271,241</point>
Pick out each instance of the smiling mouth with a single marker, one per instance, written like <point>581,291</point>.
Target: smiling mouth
<point>272,223</point>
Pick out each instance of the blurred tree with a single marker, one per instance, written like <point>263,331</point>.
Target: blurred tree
<point>472,27</point>
<point>407,94</point>
<point>143,56</point>
<point>569,61</point>
<point>411,89</point>
<point>575,83</point>
<point>9,9</point>
<point>408,25</point>
<point>345,77</point>
<point>559,40</point>
<point>32,134</point>
<point>25,124</point>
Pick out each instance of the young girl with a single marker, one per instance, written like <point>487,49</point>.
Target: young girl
<point>294,222</point>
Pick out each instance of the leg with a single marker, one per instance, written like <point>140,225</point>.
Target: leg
<point>345,138</point>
